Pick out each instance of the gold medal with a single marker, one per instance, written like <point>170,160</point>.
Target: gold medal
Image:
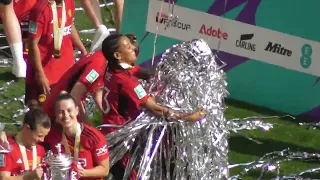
<point>42,98</point>
<point>56,54</point>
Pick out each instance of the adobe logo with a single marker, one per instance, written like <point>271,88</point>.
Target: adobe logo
<point>213,32</point>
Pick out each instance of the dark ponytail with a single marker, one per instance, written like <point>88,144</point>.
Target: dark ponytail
<point>111,45</point>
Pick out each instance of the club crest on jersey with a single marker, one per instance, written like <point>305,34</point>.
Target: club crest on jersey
<point>2,160</point>
<point>33,27</point>
<point>141,93</point>
<point>92,76</point>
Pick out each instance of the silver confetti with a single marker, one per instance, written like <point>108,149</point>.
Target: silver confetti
<point>271,162</point>
<point>187,78</point>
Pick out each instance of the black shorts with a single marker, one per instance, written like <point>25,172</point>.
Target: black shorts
<point>5,2</point>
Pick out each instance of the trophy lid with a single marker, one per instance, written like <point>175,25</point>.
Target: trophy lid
<point>59,161</point>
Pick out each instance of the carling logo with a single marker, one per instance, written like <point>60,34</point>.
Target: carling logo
<point>244,42</point>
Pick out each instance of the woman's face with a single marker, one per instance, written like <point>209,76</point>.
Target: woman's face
<point>126,52</point>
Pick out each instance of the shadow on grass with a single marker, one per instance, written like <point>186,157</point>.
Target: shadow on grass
<point>243,145</point>
<point>7,76</point>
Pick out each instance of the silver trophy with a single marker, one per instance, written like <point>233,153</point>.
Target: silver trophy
<point>59,165</point>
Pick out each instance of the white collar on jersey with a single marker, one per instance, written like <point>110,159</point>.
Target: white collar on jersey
<point>125,65</point>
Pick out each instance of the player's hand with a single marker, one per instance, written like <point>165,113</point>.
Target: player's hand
<point>198,115</point>
<point>195,116</point>
<point>84,52</point>
<point>81,171</point>
<point>36,174</point>
<point>43,83</point>
<point>3,137</point>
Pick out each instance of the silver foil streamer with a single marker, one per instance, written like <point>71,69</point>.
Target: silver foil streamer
<point>187,78</point>
<point>312,125</point>
<point>270,164</point>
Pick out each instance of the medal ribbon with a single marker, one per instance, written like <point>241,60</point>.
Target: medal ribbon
<point>58,32</point>
<point>76,143</point>
<point>24,154</point>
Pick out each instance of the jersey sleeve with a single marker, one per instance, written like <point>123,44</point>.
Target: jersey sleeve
<point>92,78</point>
<point>100,149</point>
<point>134,90</point>
<point>36,22</point>
<point>6,163</point>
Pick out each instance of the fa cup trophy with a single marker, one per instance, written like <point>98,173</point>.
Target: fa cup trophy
<point>60,166</point>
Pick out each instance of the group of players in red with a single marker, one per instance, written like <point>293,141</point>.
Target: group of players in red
<point>58,85</point>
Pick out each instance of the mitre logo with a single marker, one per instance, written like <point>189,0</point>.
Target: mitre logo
<point>210,31</point>
<point>278,48</point>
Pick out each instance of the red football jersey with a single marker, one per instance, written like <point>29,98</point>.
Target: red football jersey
<point>122,97</point>
<point>41,25</point>
<point>13,162</point>
<point>89,70</point>
<point>93,146</point>
<point>22,8</point>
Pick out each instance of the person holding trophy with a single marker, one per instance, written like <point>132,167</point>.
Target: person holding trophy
<point>27,153</point>
<point>52,36</point>
<point>85,144</point>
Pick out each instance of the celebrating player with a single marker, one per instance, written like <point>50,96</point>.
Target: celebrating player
<point>86,144</point>
<point>22,162</point>
<point>86,77</point>
<point>123,95</point>
<point>51,27</point>
<point>13,33</point>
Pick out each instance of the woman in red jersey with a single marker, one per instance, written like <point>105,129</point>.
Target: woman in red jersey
<point>86,77</point>
<point>27,152</point>
<point>52,36</point>
<point>124,96</point>
<point>85,144</point>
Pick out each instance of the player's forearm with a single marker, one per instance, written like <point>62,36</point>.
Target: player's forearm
<point>83,116</point>
<point>98,171</point>
<point>98,98</point>
<point>23,177</point>
<point>76,40</point>
<point>34,56</point>
<point>12,178</point>
<point>118,13</point>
